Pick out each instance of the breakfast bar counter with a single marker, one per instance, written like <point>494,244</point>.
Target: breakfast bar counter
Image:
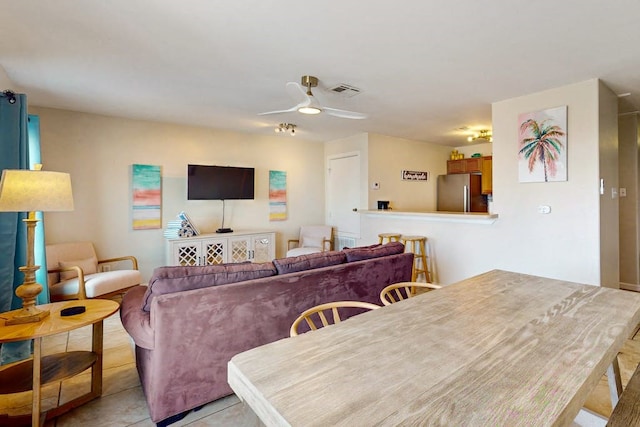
<point>441,216</point>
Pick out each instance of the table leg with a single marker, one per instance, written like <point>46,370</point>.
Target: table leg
<point>37,362</point>
<point>96,369</point>
<point>615,383</point>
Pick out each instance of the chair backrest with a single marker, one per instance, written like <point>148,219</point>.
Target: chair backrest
<point>314,236</point>
<point>65,252</point>
<point>400,291</point>
<point>320,313</point>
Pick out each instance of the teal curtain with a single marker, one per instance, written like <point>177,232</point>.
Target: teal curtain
<point>14,154</point>
<point>33,132</point>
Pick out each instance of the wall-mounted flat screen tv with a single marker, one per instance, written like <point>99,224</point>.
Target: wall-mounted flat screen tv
<point>219,182</point>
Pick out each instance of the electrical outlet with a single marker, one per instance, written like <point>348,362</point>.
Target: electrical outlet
<point>623,192</point>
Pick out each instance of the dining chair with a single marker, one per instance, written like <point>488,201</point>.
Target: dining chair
<point>403,290</point>
<point>323,309</point>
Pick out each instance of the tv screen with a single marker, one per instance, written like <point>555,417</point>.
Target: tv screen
<point>219,182</point>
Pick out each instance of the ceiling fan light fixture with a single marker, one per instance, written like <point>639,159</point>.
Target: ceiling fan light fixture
<point>309,110</point>
<point>483,134</point>
<point>286,127</point>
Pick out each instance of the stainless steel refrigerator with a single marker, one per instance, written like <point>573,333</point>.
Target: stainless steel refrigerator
<point>461,192</point>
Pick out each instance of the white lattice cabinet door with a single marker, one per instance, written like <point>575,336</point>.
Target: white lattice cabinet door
<point>264,247</point>
<point>185,252</point>
<point>214,252</point>
<point>239,250</point>
<point>210,249</point>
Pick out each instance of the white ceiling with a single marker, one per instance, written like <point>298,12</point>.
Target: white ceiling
<point>425,68</point>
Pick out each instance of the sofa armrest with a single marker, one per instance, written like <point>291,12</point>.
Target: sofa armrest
<point>134,261</point>
<point>136,321</point>
<point>82,291</point>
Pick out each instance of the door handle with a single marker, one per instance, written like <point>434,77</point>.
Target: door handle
<point>355,209</point>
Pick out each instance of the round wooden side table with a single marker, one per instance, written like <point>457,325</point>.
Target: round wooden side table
<point>31,374</point>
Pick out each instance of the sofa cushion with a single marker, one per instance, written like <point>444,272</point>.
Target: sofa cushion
<point>309,261</point>
<point>88,266</point>
<point>373,251</point>
<point>166,280</point>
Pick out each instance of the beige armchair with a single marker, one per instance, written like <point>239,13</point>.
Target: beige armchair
<point>313,238</point>
<point>74,272</point>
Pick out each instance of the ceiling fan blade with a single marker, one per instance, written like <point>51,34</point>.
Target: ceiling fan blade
<point>297,92</point>
<point>344,113</point>
<point>290,110</point>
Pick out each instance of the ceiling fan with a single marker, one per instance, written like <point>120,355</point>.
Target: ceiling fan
<point>309,104</point>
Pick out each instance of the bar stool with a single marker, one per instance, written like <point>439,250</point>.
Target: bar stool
<point>417,245</point>
<point>390,237</point>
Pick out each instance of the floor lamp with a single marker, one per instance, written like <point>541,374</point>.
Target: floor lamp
<point>30,191</point>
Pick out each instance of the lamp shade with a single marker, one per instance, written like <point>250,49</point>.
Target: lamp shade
<point>35,190</point>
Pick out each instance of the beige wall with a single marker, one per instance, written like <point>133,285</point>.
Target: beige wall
<point>5,82</point>
<point>564,244</point>
<point>98,151</point>
<point>354,144</point>
<point>609,202</point>
<point>389,156</point>
<point>485,149</point>
<point>629,138</point>
<point>382,158</point>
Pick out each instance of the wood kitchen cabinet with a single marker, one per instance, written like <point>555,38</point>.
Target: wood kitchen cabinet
<point>469,165</point>
<point>481,165</point>
<point>487,175</point>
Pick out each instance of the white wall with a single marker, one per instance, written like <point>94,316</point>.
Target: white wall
<point>564,244</point>
<point>98,152</point>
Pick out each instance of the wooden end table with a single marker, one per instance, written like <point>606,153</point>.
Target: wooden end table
<point>32,373</point>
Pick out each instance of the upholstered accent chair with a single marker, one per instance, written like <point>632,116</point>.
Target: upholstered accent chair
<point>313,238</point>
<point>75,272</point>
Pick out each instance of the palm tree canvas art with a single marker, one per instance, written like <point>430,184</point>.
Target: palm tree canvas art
<point>542,141</point>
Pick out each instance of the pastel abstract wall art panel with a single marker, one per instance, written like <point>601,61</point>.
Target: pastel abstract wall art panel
<point>542,145</point>
<point>146,184</point>
<point>277,196</point>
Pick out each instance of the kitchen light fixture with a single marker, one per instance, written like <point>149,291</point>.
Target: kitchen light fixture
<point>23,190</point>
<point>483,134</point>
<point>286,127</point>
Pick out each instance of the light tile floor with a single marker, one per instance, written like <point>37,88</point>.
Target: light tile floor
<point>123,404</point>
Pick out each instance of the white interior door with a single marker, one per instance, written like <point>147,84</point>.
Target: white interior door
<point>343,194</point>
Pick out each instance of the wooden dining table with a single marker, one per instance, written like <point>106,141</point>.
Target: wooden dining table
<point>498,349</point>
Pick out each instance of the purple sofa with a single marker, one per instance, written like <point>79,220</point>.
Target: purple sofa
<point>190,321</point>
